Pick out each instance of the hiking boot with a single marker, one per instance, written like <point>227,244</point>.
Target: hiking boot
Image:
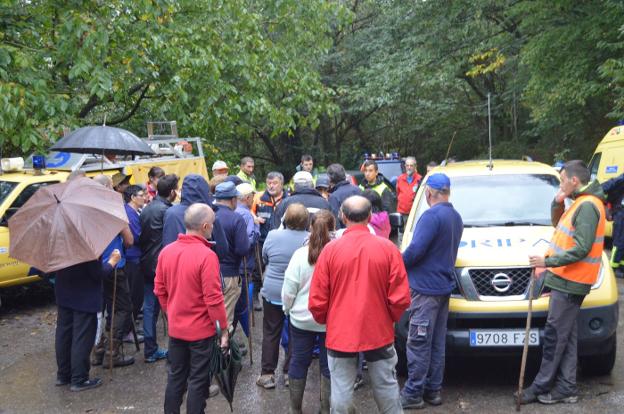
<point>86,385</point>
<point>528,396</point>
<point>296,389</point>
<point>412,403</point>
<point>120,359</point>
<point>325,395</point>
<point>266,381</point>
<point>554,397</point>
<point>433,397</point>
<point>157,356</point>
<point>97,354</point>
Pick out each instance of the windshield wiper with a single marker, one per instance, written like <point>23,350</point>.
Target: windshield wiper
<point>523,223</point>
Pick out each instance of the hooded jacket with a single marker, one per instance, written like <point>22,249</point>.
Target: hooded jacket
<point>195,189</point>
<point>585,224</point>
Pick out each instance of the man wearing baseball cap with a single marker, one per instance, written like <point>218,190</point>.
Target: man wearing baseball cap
<point>219,168</point>
<point>430,263</point>
<point>235,230</point>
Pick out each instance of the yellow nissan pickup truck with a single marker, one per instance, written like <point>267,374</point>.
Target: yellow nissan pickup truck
<point>506,214</point>
<point>16,187</point>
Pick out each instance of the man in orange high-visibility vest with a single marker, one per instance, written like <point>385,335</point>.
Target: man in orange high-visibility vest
<point>573,263</point>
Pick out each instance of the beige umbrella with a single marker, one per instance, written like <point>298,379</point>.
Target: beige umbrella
<point>65,224</point>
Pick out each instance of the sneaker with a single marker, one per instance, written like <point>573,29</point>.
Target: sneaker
<point>412,403</point>
<point>213,391</point>
<point>157,356</point>
<point>129,339</point>
<point>555,397</point>
<point>87,385</point>
<point>433,397</point>
<point>527,397</point>
<point>266,381</point>
<point>359,383</point>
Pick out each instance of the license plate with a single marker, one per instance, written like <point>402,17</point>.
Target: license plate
<point>502,337</point>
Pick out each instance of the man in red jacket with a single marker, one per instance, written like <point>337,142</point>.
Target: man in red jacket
<point>406,187</point>
<point>188,287</point>
<point>359,290</point>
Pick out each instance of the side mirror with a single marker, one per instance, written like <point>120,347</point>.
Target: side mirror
<point>396,220</point>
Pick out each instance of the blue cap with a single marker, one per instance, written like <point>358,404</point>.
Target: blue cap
<point>226,190</point>
<point>233,179</point>
<point>439,181</point>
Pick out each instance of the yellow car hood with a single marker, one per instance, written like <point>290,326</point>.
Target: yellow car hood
<point>502,246</point>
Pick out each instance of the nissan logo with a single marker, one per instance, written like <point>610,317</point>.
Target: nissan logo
<point>501,282</point>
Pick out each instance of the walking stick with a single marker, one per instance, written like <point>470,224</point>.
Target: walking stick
<point>249,309</point>
<point>525,349</point>
<point>110,361</point>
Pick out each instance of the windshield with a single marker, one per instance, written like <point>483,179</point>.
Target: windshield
<point>391,169</point>
<point>5,189</point>
<point>501,200</point>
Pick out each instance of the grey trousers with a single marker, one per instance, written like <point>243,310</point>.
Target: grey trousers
<point>558,368</point>
<point>382,372</point>
<point>426,344</point>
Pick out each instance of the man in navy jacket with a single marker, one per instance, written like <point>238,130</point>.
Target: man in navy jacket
<point>430,263</point>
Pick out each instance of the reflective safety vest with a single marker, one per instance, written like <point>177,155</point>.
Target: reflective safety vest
<point>379,188</point>
<point>585,270</point>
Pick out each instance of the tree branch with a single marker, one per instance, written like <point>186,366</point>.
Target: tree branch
<point>267,141</point>
<point>133,110</point>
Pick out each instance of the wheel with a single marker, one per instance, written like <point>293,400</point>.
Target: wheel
<point>400,344</point>
<point>595,365</point>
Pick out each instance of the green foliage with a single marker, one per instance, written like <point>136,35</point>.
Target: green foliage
<point>222,69</point>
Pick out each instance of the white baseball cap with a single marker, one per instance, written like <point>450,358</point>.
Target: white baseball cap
<point>219,165</point>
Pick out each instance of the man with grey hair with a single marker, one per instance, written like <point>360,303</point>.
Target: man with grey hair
<point>359,290</point>
<point>305,194</point>
<point>406,187</point>
<point>430,263</point>
<point>105,180</point>
<point>188,287</point>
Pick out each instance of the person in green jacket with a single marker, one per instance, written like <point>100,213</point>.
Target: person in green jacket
<point>246,171</point>
<point>572,264</point>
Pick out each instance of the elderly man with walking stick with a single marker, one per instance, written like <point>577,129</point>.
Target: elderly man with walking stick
<point>573,263</point>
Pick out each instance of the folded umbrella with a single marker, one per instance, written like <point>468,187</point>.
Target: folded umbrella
<point>65,224</point>
<point>225,365</point>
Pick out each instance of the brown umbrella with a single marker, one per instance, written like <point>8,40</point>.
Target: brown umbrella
<point>65,224</point>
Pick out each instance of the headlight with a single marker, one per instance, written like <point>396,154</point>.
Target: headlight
<point>601,275</point>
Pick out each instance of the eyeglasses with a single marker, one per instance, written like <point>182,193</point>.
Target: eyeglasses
<point>140,195</point>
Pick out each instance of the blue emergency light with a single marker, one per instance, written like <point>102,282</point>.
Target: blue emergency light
<point>38,162</point>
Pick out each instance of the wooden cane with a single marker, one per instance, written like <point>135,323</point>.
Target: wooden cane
<point>525,349</point>
<point>249,309</point>
<point>110,361</point>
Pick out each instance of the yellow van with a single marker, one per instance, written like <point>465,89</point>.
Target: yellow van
<point>16,187</point>
<point>506,214</point>
<point>608,161</point>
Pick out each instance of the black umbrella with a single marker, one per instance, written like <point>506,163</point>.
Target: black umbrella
<point>225,365</point>
<point>103,139</point>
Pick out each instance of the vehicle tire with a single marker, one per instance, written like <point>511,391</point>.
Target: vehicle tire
<point>596,365</point>
<point>400,344</point>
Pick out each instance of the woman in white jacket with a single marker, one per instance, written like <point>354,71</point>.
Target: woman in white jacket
<point>303,329</point>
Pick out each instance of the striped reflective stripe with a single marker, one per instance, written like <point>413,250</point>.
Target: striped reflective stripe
<point>565,230</point>
<point>559,250</point>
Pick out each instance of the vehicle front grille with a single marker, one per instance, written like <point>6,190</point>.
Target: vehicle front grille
<point>483,281</point>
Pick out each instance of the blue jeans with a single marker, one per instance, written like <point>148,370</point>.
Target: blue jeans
<point>426,344</point>
<point>151,310</point>
<point>302,346</point>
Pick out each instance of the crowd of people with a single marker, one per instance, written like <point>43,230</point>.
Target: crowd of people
<point>331,284</point>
